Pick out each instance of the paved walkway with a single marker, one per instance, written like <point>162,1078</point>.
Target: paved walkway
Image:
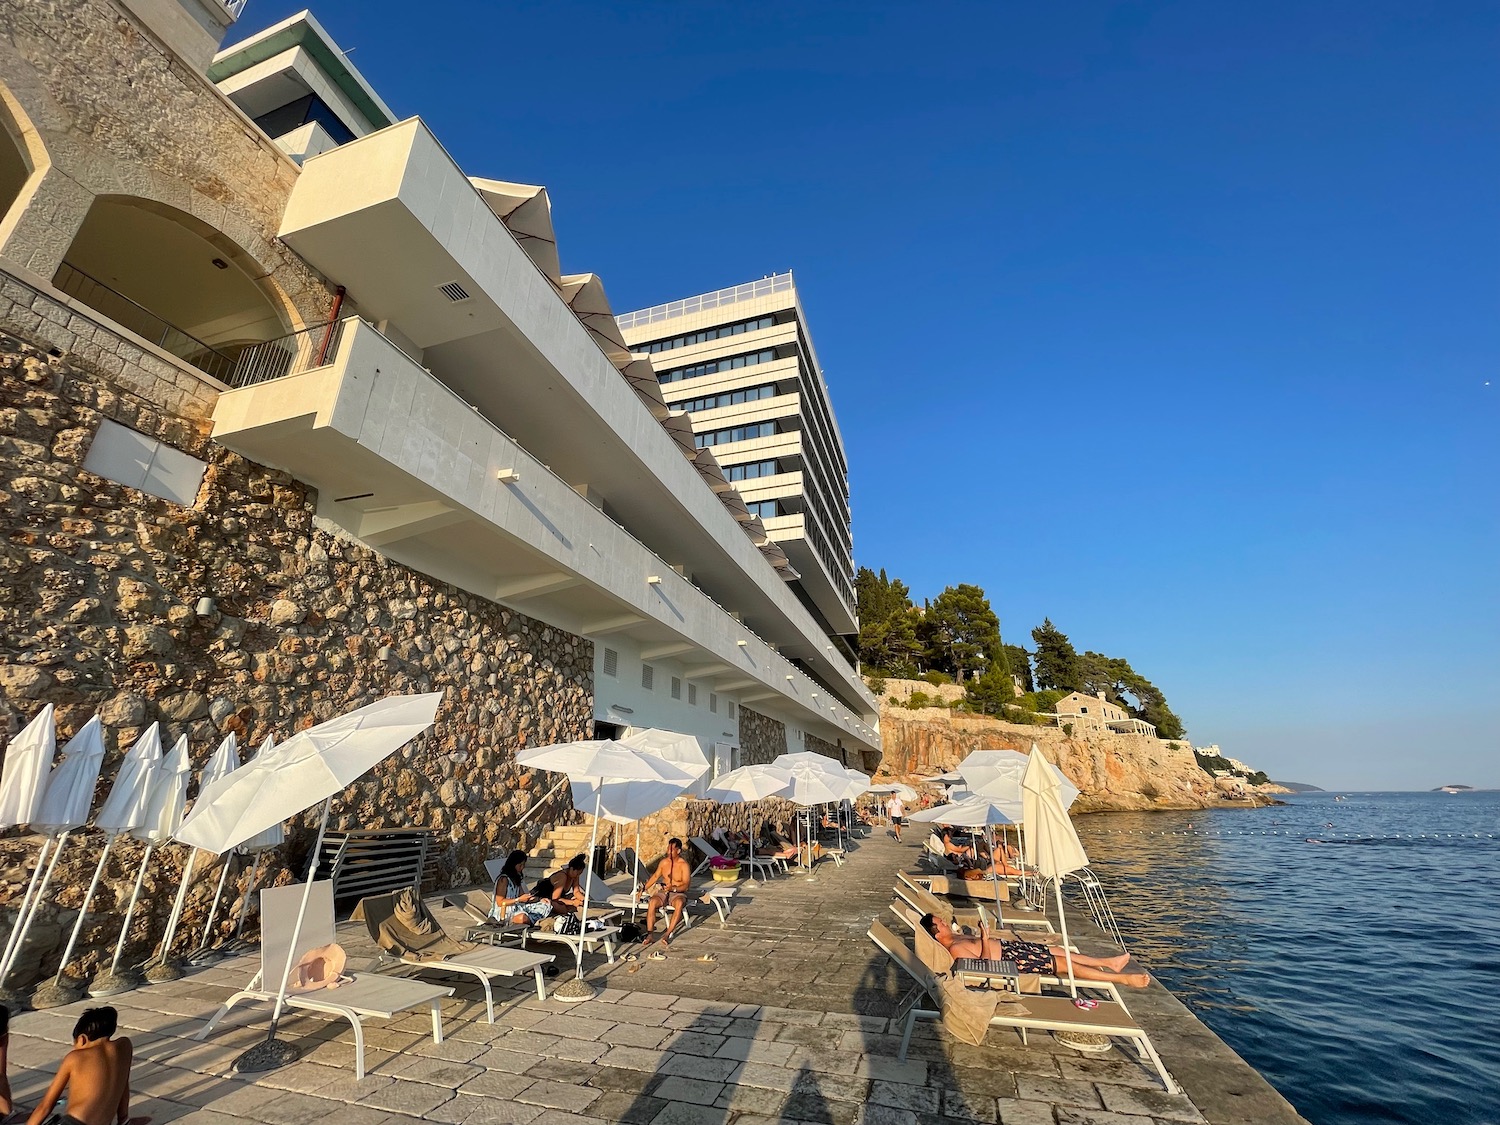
<point>791,1022</point>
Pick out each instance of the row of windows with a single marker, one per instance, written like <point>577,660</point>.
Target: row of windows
<point>752,470</point>
<point>728,398</point>
<point>714,366</point>
<point>705,335</point>
<point>648,681</point>
<point>736,433</point>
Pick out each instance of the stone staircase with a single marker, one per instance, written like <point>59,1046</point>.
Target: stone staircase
<point>559,844</point>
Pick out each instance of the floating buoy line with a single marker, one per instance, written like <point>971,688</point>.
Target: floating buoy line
<point>1301,834</point>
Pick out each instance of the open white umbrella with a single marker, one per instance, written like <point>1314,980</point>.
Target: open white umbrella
<point>682,750</point>
<point>221,762</point>
<point>63,806</point>
<point>747,785</point>
<point>123,810</point>
<point>165,797</point>
<point>1052,841</point>
<point>313,765</point>
<point>28,757</point>
<point>814,780</point>
<point>972,812</point>
<point>598,762</point>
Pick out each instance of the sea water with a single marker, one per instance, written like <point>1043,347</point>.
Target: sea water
<point>1349,949</point>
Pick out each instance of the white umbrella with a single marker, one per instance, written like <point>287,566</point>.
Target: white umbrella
<point>123,810</point>
<point>1051,840</point>
<point>814,780</point>
<point>224,759</point>
<point>905,792</point>
<point>313,765</point>
<point>972,812</point>
<point>258,845</point>
<point>747,785</point>
<point>682,750</point>
<point>626,802</point>
<point>165,796</point>
<point>27,760</point>
<point>599,761</point>
<point>64,806</point>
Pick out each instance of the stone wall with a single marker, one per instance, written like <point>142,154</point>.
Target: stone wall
<point>103,583</point>
<point>762,738</point>
<point>816,745</point>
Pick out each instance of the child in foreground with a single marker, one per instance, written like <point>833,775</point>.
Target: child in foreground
<point>95,1075</point>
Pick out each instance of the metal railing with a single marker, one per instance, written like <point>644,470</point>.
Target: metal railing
<point>776,283</point>
<point>291,354</point>
<point>136,317</point>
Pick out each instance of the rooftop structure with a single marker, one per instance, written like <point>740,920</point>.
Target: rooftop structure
<point>740,362</point>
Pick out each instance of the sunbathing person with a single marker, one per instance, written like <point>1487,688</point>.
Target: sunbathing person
<point>513,903</point>
<point>672,874</point>
<point>95,1075</point>
<point>959,852</point>
<point>1033,957</point>
<point>567,886</point>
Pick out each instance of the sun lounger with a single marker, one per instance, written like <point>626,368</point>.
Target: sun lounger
<point>1043,1013</point>
<point>493,934</point>
<point>395,922</point>
<point>709,853</point>
<point>912,888</point>
<point>369,996</point>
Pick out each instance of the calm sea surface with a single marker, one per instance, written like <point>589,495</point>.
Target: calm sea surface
<point>1361,975</point>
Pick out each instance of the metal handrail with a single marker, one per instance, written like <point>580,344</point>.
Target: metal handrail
<point>776,283</point>
<point>539,802</point>
<point>291,354</point>
<point>131,314</point>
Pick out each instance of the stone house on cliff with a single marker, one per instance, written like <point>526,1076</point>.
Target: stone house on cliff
<point>295,413</point>
<point>1096,712</point>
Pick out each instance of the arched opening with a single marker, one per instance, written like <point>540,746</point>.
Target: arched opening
<point>14,167</point>
<point>171,279</point>
<point>22,157</point>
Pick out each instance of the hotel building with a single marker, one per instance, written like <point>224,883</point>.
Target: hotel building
<point>298,412</point>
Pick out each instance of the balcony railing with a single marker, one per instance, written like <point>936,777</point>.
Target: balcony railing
<point>143,322</point>
<point>778,283</point>
<point>286,355</point>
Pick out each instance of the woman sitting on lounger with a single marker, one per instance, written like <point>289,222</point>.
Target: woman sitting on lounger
<point>512,901</point>
<point>1033,957</point>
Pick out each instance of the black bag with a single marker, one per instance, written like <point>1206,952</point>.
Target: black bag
<point>630,933</point>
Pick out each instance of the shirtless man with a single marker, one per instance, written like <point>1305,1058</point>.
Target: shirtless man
<point>1033,957</point>
<point>95,1075</point>
<point>673,874</point>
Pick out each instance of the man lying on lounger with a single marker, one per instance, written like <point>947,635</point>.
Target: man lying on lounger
<point>672,874</point>
<point>1033,957</point>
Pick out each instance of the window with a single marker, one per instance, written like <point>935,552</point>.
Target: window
<point>752,470</point>
<point>704,336</point>
<point>676,688</point>
<point>692,695</point>
<point>728,398</point>
<point>713,366</point>
<point>128,457</point>
<point>1083,710</point>
<point>765,509</point>
<point>736,433</point>
<point>713,703</point>
<point>729,706</point>
<point>611,662</point>
<point>648,676</point>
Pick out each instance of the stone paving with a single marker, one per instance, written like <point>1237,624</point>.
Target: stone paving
<point>790,1022</point>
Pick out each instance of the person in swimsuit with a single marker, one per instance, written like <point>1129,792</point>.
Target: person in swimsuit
<point>95,1075</point>
<point>1033,957</point>
<point>672,874</point>
<point>567,886</point>
<point>513,903</point>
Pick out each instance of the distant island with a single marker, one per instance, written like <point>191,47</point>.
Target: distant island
<point>1453,789</point>
<point>1300,787</point>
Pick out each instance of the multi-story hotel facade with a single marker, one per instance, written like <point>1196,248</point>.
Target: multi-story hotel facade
<point>297,412</point>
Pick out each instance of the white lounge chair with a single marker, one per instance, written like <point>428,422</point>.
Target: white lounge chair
<point>710,853</point>
<point>1043,1013</point>
<point>434,951</point>
<point>368,996</point>
<point>914,891</point>
<point>586,942</point>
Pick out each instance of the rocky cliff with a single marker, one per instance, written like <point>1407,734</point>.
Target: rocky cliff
<point>1115,772</point>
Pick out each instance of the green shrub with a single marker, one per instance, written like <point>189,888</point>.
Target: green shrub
<point>876,683</point>
<point>1068,731</point>
<point>1258,778</point>
<point>917,699</point>
<point>934,678</point>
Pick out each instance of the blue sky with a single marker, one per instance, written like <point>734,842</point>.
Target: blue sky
<point>1173,322</point>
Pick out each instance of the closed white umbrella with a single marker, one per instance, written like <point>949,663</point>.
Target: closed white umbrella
<point>123,810</point>
<point>598,762</point>
<point>1052,842</point>
<point>63,806</point>
<point>258,845</point>
<point>27,760</point>
<point>747,785</point>
<point>223,760</point>
<point>313,765</point>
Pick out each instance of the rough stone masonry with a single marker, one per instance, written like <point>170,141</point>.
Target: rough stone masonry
<point>100,615</point>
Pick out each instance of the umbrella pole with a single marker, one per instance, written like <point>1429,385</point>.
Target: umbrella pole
<point>635,875</point>
<point>13,942</point>
<point>166,941</point>
<point>291,956</point>
<point>109,842</point>
<point>135,894</point>
<point>244,911</point>
<point>213,907</point>
<point>1062,921</point>
<point>999,877</point>
<point>579,989</point>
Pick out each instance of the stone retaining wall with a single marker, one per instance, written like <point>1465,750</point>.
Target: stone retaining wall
<point>762,738</point>
<point>104,584</point>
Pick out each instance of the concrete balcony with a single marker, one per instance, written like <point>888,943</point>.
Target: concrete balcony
<point>408,467</point>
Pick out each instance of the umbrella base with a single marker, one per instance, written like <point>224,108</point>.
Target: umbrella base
<point>1085,1041</point>
<point>167,970</point>
<point>112,984</point>
<point>574,991</point>
<point>269,1054</point>
<point>55,995</point>
<point>199,957</point>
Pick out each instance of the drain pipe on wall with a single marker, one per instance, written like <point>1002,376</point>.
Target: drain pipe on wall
<point>333,318</point>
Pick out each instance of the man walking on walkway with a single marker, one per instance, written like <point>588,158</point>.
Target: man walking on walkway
<point>895,810</point>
